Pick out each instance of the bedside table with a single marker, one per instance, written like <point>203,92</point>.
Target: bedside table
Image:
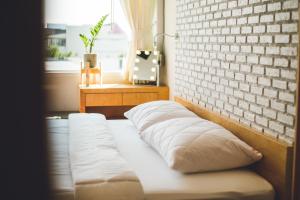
<point>119,96</point>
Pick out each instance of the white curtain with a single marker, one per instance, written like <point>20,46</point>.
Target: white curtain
<point>139,14</point>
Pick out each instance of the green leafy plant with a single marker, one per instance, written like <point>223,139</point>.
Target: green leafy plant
<point>94,31</point>
<point>54,52</point>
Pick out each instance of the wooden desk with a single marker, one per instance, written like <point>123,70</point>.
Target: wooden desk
<point>119,95</point>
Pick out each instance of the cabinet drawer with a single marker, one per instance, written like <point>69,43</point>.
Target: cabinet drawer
<point>138,98</point>
<point>104,99</point>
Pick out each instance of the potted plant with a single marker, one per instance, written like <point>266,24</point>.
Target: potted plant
<point>89,43</point>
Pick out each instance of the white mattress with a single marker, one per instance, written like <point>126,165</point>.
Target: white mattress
<point>60,171</point>
<point>158,180</point>
<point>162,183</point>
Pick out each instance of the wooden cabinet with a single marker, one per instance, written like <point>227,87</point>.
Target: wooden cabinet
<point>103,99</point>
<point>117,95</point>
<point>130,99</point>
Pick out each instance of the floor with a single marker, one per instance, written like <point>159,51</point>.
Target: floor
<point>60,115</point>
<point>110,112</point>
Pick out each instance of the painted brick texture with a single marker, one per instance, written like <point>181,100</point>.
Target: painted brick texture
<point>239,58</point>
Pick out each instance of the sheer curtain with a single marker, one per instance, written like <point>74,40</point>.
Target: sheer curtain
<point>139,14</point>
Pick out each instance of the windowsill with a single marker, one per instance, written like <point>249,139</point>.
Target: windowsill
<point>113,78</point>
<point>62,67</point>
<point>109,77</point>
<point>62,71</point>
<point>69,67</point>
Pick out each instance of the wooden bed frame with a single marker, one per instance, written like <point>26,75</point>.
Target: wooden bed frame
<point>276,165</point>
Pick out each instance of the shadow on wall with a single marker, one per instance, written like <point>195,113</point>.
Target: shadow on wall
<point>62,91</point>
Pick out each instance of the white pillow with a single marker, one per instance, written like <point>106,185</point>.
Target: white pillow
<point>197,145</point>
<point>147,114</point>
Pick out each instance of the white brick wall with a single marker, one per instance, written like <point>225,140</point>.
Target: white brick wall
<point>239,58</point>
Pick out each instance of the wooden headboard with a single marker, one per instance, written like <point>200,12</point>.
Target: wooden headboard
<point>276,165</point>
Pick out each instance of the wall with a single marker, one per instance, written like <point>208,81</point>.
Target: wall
<point>238,58</point>
<point>62,88</point>
<point>62,91</point>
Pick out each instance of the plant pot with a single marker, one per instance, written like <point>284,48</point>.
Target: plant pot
<point>91,58</point>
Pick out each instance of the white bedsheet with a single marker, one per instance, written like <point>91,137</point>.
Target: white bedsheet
<point>159,182</point>
<point>60,172</point>
<point>162,183</point>
<point>98,169</point>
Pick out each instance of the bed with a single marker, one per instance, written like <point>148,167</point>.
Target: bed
<point>158,181</point>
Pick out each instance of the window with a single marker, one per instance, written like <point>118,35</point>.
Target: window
<point>66,19</point>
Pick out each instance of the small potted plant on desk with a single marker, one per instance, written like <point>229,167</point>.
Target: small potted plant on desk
<point>90,58</point>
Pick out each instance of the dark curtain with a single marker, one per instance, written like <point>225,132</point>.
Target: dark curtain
<point>23,149</point>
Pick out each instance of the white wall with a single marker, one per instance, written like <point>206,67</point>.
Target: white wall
<point>169,44</point>
<point>239,58</point>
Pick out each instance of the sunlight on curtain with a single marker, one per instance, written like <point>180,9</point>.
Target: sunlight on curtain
<point>139,14</point>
